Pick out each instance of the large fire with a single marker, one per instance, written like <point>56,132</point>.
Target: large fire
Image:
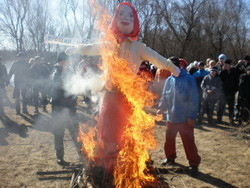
<point>130,169</point>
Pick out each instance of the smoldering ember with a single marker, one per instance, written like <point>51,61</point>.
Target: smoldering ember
<point>124,94</point>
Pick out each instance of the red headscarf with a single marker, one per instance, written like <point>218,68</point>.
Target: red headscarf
<point>183,63</point>
<point>113,26</point>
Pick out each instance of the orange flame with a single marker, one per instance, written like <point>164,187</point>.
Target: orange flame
<point>88,142</point>
<point>130,169</point>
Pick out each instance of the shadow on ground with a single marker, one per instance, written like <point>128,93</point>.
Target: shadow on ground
<point>207,178</point>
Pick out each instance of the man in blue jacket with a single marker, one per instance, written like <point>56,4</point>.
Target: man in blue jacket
<point>180,101</point>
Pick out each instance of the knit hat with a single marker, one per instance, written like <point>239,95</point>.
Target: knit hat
<point>214,69</point>
<point>201,63</point>
<point>61,56</point>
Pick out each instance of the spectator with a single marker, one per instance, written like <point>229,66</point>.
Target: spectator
<point>207,63</point>
<point>40,74</point>
<point>221,59</point>
<point>230,82</point>
<point>212,64</point>
<point>20,70</point>
<point>145,73</point>
<point>211,86</point>
<point>3,82</point>
<point>244,89</point>
<point>193,68</point>
<point>180,101</point>
<point>29,93</point>
<point>63,109</point>
<point>199,75</point>
<point>242,65</point>
<point>153,69</point>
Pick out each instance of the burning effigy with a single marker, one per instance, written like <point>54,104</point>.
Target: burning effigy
<point>117,149</point>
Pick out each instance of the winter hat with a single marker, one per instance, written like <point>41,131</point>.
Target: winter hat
<point>61,56</point>
<point>195,63</point>
<point>222,56</point>
<point>201,63</point>
<point>214,69</point>
<point>175,61</point>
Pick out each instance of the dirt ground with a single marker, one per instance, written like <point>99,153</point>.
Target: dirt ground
<point>27,156</point>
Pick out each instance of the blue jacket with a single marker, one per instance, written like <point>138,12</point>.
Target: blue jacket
<point>200,73</point>
<point>180,98</point>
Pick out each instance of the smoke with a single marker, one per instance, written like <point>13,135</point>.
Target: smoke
<point>87,82</point>
<point>84,84</point>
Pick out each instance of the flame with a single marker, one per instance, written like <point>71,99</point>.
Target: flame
<point>130,169</point>
<point>88,141</point>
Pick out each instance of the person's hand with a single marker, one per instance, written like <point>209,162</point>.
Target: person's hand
<point>190,122</point>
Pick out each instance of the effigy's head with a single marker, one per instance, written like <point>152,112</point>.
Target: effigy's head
<point>125,21</point>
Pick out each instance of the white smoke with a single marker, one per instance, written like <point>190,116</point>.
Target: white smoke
<point>89,83</point>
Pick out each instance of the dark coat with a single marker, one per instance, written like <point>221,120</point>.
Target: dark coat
<point>20,70</point>
<point>3,75</point>
<point>230,81</point>
<point>244,90</point>
<point>58,93</point>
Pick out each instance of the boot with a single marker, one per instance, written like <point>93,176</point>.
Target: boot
<point>194,171</point>
<point>167,162</point>
<point>62,162</point>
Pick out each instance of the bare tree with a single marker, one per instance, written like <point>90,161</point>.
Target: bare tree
<point>12,19</point>
<point>37,21</point>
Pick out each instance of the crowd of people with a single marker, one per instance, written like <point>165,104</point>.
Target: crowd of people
<point>220,84</point>
<point>217,84</point>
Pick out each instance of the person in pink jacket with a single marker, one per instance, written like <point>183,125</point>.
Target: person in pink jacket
<point>117,109</point>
